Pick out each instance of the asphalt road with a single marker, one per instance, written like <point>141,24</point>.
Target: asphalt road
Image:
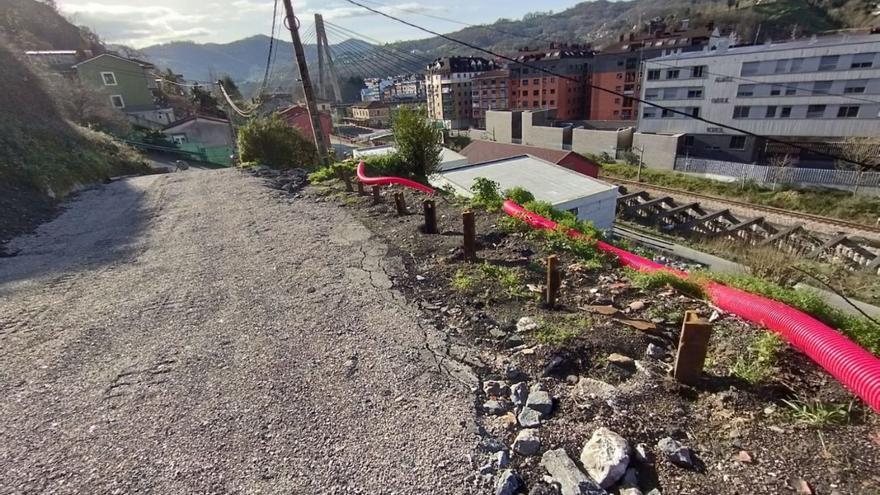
<point>200,333</point>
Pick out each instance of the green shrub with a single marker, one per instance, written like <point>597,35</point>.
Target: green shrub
<point>519,195</point>
<point>486,194</point>
<point>270,141</point>
<point>759,361</point>
<point>418,142</point>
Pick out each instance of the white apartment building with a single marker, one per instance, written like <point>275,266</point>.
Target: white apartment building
<point>811,92</point>
<point>448,88</point>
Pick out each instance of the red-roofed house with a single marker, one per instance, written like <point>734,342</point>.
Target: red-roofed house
<point>298,117</point>
<point>485,151</point>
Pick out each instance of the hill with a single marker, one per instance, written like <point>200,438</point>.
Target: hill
<point>38,26</point>
<point>594,22</point>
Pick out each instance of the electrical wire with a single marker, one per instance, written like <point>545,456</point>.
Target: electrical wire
<point>379,51</point>
<point>462,23</point>
<point>367,56</point>
<point>244,113</point>
<point>271,46</point>
<point>613,92</point>
<point>779,85</point>
<point>377,43</point>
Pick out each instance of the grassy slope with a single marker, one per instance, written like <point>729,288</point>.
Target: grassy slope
<point>39,149</point>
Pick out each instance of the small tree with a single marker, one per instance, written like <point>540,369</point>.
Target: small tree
<point>781,168</point>
<point>418,142</point>
<point>270,141</point>
<point>862,154</point>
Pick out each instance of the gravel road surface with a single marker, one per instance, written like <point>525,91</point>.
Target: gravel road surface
<point>200,333</point>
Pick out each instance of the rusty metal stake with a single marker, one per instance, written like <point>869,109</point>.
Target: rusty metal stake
<point>400,203</point>
<point>430,210</point>
<point>470,235</point>
<point>553,281</point>
<point>376,198</point>
<point>692,348</point>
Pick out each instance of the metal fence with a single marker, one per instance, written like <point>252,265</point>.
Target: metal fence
<point>778,175</point>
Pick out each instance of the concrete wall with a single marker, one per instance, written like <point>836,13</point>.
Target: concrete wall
<point>503,126</point>
<point>534,132</point>
<point>594,142</point>
<point>658,150</point>
<point>203,132</point>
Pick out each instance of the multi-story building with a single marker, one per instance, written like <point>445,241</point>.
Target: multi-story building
<point>489,91</point>
<point>371,114</point>
<point>618,66</point>
<point>811,91</point>
<point>374,87</point>
<point>448,88</point>
<point>534,89</point>
<point>405,89</point>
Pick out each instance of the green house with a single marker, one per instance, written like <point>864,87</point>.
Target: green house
<point>128,85</point>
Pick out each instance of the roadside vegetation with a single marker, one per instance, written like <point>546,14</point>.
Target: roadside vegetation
<point>270,141</point>
<point>832,203</point>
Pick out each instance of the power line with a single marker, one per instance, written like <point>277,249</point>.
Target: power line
<point>462,23</point>
<point>610,91</point>
<point>780,85</point>
<point>271,46</point>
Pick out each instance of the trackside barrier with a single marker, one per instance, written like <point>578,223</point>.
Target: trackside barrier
<point>856,368</point>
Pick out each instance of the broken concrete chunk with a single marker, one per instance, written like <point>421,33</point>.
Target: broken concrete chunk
<point>605,457</point>
<point>571,480</point>
<point>527,442</point>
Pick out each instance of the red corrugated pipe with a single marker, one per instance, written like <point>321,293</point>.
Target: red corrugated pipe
<point>382,181</point>
<point>856,368</point>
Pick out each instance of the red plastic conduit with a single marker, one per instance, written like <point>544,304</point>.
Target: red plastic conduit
<point>853,366</point>
<point>382,181</point>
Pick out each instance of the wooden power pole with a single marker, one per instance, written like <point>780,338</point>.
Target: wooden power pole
<point>308,91</point>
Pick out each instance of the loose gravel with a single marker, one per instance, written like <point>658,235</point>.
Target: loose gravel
<point>199,332</point>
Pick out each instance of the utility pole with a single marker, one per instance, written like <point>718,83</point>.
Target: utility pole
<point>309,93</point>
<point>324,51</point>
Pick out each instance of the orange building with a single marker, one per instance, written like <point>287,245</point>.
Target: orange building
<point>532,89</point>
<point>618,67</point>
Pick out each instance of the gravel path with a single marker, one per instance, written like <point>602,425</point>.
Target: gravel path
<point>200,333</point>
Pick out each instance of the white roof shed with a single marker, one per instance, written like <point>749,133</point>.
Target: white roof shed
<point>588,198</point>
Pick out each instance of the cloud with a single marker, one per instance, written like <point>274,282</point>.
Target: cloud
<point>396,10</point>
<point>138,25</point>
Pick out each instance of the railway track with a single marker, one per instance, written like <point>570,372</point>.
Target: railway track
<point>795,215</point>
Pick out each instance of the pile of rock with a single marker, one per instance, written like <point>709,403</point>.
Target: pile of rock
<point>290,180</point>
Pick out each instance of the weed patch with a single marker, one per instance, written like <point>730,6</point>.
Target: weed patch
<point>559,332</point>
<point>818,414</point>
<point>759,362</point>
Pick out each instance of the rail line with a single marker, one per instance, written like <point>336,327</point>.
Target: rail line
<point>751,206</point>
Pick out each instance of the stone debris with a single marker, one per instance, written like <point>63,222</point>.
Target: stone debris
<point>643,454</point>
<point>495,407</point>
<point>540,400</point>
<point>655,352</point>
<point>630,491</point>
<point>571,480</point>
<point>605,457</point>
<point>529,418</point>
<point>526,324</point>
<point>801,487</point>
<point>518,393</point>
<point>291,180</point>
<point>592,389</point>
<point>620,360</point>
<point>508,483</point>
<point>677,453</point>
<point>527,442</point>
<point>637,305</point>
<point>495,388</point>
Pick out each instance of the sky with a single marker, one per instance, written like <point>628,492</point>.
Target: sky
<point>143,23</point>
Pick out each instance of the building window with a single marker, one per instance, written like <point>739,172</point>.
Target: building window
<point>821,87</point>
<point>746,90</point>
<point>815,111</point>
<point>649,113</point>
<point>672,74</point>
<point>698,71</point>
<point>536,81</point>
<point>781,66</point>
<point>749,69</point>
<point>737,142</point>
<point>652,94</point>
<point>108,78</point>
<point>552,102</point>
<point>848,112</point>
<point>797,65</point>
<point>552,91</point>
<point>695,112</point>
<point>741,112</point>
<point>775,91</point>
<point>535,92</point>
<point>784,112</point>
<point>862,61</point>
<point>525,93</point>
<point>828,62</point>
<point>771,112</point>
<point>525,82</point>
<point>117,101</point>
<point>535,103</point>
<point>695,93</point>
<point>791,90</point>
<point>856,86</point>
